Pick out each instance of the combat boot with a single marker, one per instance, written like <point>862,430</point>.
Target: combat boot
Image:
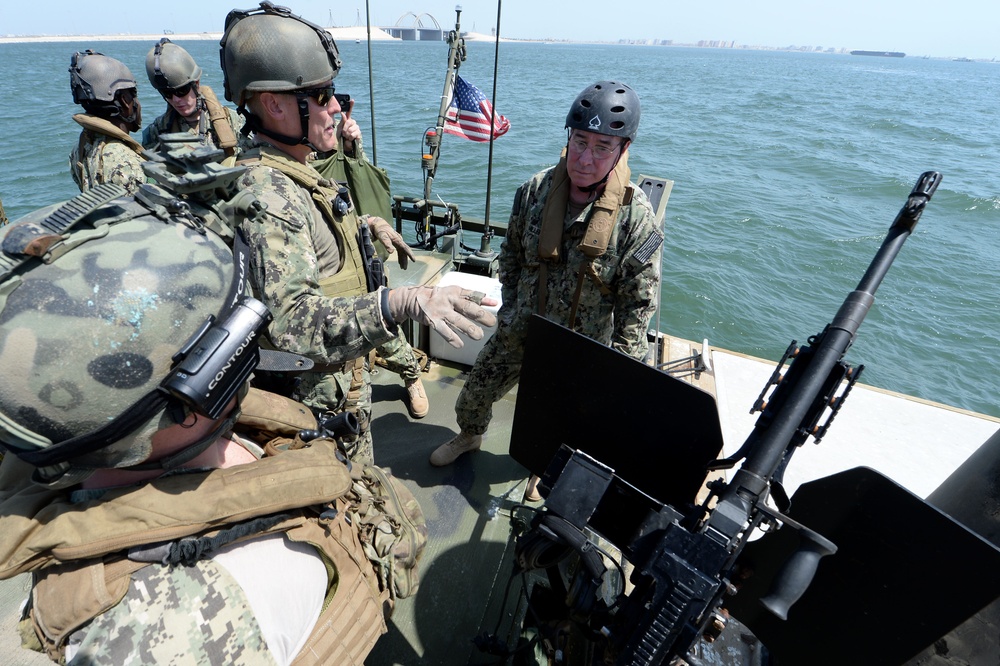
<point>448,452</point>
<point>417,398</point>
<point>531,493</point>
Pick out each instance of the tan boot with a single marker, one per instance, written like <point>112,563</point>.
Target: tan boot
<point>531,493</point>
<point>448,452</point>
<point>417,403</point>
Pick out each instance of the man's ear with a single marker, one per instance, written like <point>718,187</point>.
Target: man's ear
<point>271,105</point>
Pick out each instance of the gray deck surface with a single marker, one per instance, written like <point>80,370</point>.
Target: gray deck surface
<point>467,508</point>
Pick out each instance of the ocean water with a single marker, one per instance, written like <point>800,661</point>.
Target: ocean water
<point>788,169</point>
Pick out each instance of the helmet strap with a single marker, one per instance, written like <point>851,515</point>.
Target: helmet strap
<point>193,450</point>
<point>118,428</point>
<point>253,124</point>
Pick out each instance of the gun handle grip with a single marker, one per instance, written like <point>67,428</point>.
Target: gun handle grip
<point>797,573</point>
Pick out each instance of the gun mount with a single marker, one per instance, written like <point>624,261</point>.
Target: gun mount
<point>618,491</point>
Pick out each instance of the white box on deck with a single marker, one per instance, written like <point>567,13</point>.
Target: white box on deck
<point>468,353</point>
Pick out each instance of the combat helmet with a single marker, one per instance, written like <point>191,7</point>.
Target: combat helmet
<point>272,50</point>
<point>607,107</point>
<point>97,298</point>
<point>169,66</point>
<point>105,87</point>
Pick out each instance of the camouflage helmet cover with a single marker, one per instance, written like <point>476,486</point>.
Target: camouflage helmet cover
<point>86,335</point>
<point>96,77</point>
<point>170,66</point>
<point>606,107</point>
<point>273,50</point>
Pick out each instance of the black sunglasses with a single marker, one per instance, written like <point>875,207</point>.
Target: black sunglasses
<point>177,92</point>
<point>321,95</point>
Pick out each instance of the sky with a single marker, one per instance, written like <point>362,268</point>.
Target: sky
<point>959,28</point>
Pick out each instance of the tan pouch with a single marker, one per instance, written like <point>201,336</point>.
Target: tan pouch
<point>265,416</point>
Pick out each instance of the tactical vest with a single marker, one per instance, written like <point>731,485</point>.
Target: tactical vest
<point>350,279</point>
<point>96,125</point>
<point>220,121</point>
<point>78,551</point>
<point>600,224</point>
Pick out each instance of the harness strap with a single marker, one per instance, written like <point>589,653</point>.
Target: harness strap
<point>600,225</point>
<point>220,121</point>
<point>107,128</point>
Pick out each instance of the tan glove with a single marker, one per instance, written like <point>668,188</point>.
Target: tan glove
<point>384,232</point>
<point>447,310</point>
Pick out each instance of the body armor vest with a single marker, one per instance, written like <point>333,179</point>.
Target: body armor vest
<point>350,279</point>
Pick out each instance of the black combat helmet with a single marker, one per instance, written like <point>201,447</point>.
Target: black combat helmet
<point>607,107</point>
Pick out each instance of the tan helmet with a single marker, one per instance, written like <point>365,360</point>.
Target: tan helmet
<point>95,77</point>
<point>105,87</point>
<point>97,298</point>
<point>169,66</point>
<point>271,49</point>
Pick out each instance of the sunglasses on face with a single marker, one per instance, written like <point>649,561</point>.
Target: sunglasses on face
<point>321,95</point>
<point>177,92</point>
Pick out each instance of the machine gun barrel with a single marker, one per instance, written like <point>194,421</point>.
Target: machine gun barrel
<point>767,443</point>
<point>684,575</point>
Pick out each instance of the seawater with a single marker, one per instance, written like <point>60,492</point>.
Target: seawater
<point>788,168</point>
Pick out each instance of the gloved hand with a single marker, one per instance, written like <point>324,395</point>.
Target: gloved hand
<point>384,232</point>
<point>447,310</point>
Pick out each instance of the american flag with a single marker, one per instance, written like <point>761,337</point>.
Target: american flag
<point>469,114</point>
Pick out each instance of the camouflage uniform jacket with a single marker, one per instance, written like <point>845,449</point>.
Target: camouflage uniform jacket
<point>105,157</point>
<point>294,251</point>
<point>619,318</point>
<point>75,550</point>
<point>171,121</point>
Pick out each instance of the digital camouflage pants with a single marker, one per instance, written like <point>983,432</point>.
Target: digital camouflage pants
<point>495,372</point>
<point>332,393</point>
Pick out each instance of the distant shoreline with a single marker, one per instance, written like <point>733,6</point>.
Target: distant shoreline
<point>353,33</point>
<point>360,34</point>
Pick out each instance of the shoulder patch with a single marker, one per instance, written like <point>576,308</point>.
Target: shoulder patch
<point>645,252</point>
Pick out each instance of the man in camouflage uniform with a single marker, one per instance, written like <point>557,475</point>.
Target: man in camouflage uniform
<point>306,251</point>
<point>157,527</point>
<point>397,355</point>
<point>81,341</point>
<point>552,261</point>
<point>105,153</point>
<point>191,107</point>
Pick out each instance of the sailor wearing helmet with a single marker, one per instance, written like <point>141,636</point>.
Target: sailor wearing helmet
<point>582,249</point>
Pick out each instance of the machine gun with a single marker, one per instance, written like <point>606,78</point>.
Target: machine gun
<point>686,556</point>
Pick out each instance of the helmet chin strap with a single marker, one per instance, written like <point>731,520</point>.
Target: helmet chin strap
<point>254,125</point>
<point>593,187</point>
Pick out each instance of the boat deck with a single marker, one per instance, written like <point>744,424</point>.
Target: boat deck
<point>467,506</point>
<point>468,559</point>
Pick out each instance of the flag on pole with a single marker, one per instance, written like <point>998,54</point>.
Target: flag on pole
<point>469,114</point>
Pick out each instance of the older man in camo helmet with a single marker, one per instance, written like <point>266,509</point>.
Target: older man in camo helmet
<point>581,248</point>
<point>307,250</point>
